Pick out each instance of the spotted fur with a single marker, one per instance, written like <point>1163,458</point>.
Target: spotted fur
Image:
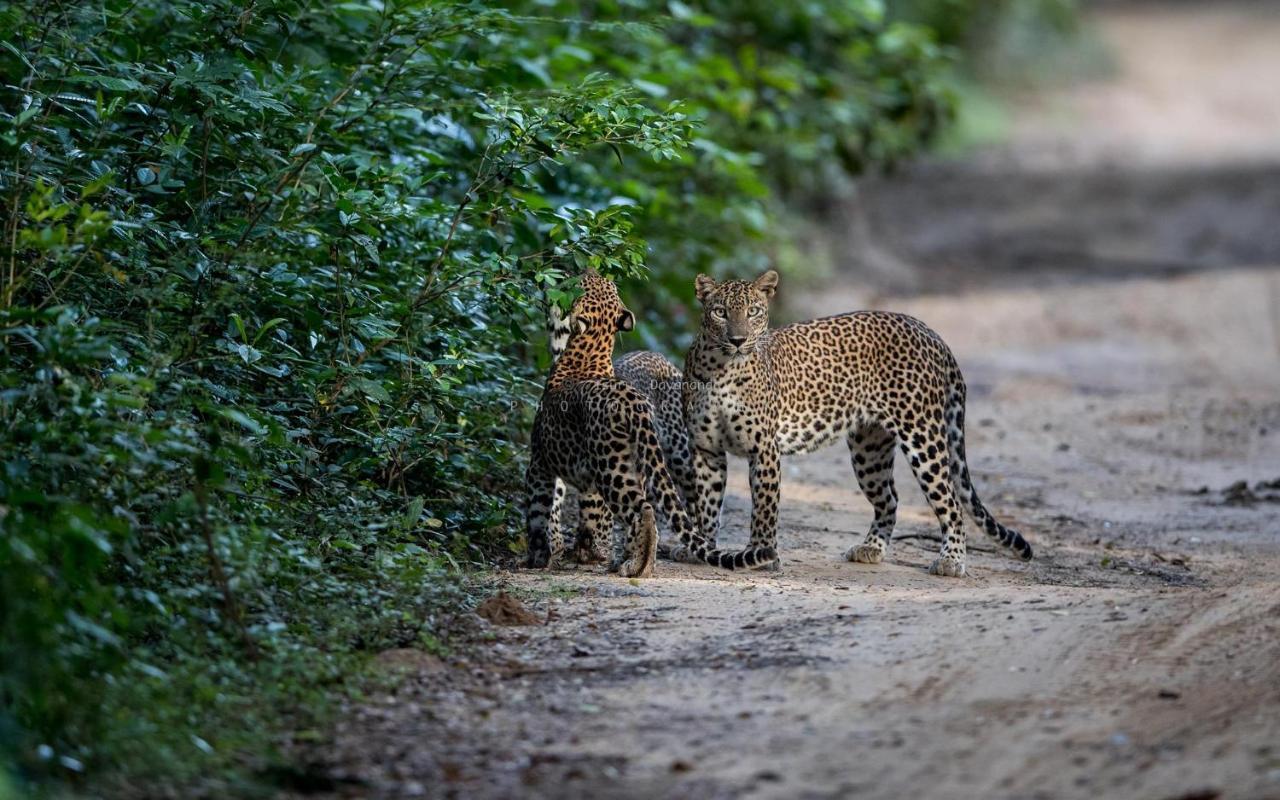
<point>876,379</point>
<point>597,433</point>
<point>659,380</point>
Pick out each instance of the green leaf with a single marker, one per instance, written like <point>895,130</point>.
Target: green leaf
<point>370,248</point>
<point>243,420</point>
<point>372,389</point>
<point>97,184</point>
<point>265,329</point>
<point>414,512</point>
<point>111,83</point>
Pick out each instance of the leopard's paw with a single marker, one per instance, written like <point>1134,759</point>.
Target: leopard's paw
<point>864,554</point>
<point>586,554</point>
<point>639,567</point>
<point>948,566</point>
<point>541,559</point>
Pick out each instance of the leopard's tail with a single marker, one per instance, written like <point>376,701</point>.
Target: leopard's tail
<point>662,493</point>
<point>559,327</point>
<point>963,483</point>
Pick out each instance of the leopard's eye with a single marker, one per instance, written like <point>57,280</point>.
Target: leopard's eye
<point>755,311</point>
<point>718,312</point>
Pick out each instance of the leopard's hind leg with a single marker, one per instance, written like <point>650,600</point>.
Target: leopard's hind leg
<point>595,529</point>
<point>635,541</point>
<point>925,447</point>
<point>871,450</point>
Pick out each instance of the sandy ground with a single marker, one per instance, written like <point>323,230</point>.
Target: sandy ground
<point>1124,414</point>
<point>1197,84</point>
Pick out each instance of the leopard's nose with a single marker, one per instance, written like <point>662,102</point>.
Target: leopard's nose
<point>737,341</point>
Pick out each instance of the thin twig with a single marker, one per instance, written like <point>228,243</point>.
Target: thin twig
<point>70,273</point>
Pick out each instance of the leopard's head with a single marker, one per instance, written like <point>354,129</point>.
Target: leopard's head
<point>735,314</point>
<point>599,308</point>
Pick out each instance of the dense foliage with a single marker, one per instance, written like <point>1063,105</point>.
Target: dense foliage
<point>268,277</point>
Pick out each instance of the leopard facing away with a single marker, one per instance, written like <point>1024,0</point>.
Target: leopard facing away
<point>659,380</point>
<point>877,379</point>
<point>596,432</point>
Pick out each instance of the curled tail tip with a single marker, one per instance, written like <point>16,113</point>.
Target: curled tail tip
<point>1018,544</point>
<point>1007,537</point>
<point>1020,547</point>
<point>1015,541</point>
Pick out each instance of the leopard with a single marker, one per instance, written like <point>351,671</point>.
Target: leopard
<point>595,432</point>
<point>882,381</point>
<point>659,379</point>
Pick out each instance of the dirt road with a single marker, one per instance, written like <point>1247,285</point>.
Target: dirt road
<point>1124,414</point>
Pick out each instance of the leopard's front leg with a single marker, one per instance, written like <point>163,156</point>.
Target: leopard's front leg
<point>766,471</point>
<point>709,471</point>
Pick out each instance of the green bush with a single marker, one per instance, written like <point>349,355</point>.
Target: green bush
<point>269,280</point>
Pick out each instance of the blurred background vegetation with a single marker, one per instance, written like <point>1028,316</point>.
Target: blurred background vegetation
<point>272,277</point>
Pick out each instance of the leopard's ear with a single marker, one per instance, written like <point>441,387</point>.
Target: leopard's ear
<point>767,283</point>
<point>703,286</point>
<point>626,321</point>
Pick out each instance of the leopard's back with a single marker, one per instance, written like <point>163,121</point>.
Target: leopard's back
<point>830,373</point>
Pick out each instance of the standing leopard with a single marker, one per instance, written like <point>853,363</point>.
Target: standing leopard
<point>596,432</point>
<point>877,379</point>
<point>655,376</point>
